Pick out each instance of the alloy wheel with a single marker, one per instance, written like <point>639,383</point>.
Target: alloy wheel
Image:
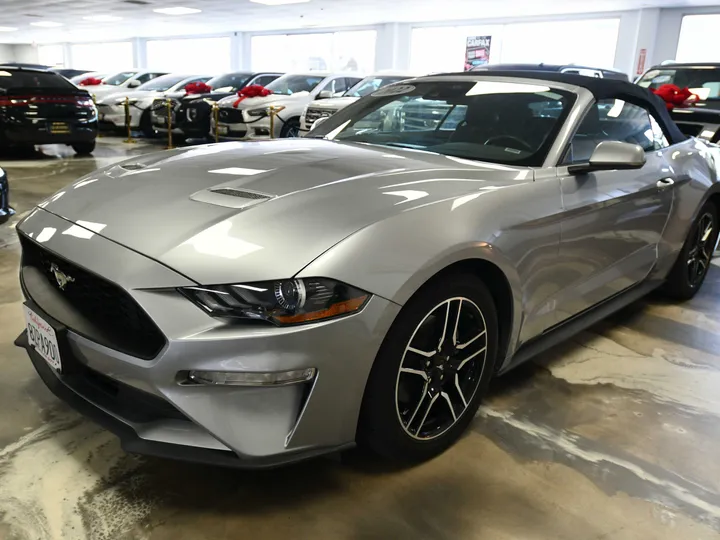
<point>701,250</point>
<point>441,368</point>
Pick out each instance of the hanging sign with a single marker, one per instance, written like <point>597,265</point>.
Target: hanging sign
<point>477,51</point>
<point>641,61</point>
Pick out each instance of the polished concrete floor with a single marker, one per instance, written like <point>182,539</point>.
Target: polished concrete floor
<point>614,435</point>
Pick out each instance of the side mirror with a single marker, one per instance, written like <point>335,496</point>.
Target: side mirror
<point>611,155</point>
<point>325,94</point>
<point>134,83</point>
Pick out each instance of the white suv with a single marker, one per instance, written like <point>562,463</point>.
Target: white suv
<point>249,118</point>
<point>324,108</point>
<point>117,82</point>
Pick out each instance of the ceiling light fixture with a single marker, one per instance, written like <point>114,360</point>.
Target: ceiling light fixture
<point>7,29</point>
<point>177,10</point>
<point>46,24</point>
<point>102,18</point>
<point>279,2</point>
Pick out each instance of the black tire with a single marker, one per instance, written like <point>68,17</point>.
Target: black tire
<point>146,125</point>
<point>381,428</point>
<point>84,148</point>
<point>688,273</point>
<point>290,129</point>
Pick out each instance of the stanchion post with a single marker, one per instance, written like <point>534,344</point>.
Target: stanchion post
<point>168,106</point>
<point>216,118</point>
<point>129,139</point>
<point>272,121</point>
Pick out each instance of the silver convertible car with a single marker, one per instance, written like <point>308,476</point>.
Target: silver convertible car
<point>256,303</point>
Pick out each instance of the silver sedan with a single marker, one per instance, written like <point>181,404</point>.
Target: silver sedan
<point>253,304</point>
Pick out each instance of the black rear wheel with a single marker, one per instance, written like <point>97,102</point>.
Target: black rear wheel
<point>688,274</point>
<point>432,370</point>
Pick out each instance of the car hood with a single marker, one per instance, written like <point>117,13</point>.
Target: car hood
<point>273,99</point>
<point>333,103</point>
<point>106,89</point>
<point>252,211</point>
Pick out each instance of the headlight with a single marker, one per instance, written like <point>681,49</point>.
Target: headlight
<point>285,302</point>
<point>264,111</point>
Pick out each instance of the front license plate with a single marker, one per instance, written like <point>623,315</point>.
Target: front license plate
<point>222,130</point>
<point>42,338</point>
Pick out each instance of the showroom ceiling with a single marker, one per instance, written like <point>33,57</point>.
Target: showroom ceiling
<point>137,17</point>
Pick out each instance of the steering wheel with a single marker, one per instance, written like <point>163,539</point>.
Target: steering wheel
<point>492,141</point>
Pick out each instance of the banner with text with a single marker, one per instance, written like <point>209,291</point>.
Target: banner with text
<point>477,51</point>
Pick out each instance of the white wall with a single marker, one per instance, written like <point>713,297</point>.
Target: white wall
<point>25,53</point>
<point>7,54</point>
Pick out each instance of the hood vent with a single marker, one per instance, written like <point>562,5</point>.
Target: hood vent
<point>241,193</point>
<point>231,197</point>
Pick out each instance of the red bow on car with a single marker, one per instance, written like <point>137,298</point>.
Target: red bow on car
<point>674,96</point>
<point>90,81</point>
<point>197,88</point>
<point>254,90</point>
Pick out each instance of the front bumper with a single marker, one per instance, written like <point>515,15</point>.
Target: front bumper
<point>249,426</point>
<point>114,115</point>
<point>257,129</point>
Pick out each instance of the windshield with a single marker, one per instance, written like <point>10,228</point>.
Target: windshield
<point>500,122</point>
<point>33,79</point>
<point>163,83</point>
<point>230,82</point>
<point>703,82</point>
<point>118,78</point>
<point>293,84</point>
<point>370,84</point>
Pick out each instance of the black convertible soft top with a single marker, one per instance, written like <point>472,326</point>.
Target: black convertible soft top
<point>601,89</point>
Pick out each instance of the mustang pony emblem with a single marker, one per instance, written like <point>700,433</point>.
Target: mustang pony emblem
<point>61,277</point>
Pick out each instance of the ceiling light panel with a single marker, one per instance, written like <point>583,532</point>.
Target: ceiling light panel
<point>177,10</point>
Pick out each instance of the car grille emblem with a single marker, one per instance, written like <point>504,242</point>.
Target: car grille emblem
<point>61,277</point>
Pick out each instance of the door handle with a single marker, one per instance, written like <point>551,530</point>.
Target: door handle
<point>665,183</point>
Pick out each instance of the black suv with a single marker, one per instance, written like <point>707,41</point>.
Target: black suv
<point>43,107</point>
<point>702,117</point>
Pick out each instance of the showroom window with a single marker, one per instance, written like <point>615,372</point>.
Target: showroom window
<point>698,39</point>
<point>202,55</point>
<point>51,55</point>
<point>338,51</point>
<point>435,49</point>
<point>106,57</point>
<point>593,42</point>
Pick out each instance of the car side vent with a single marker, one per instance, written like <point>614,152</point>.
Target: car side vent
<point>232,192</point>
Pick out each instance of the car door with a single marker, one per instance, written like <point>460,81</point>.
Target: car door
<point>612,220</point>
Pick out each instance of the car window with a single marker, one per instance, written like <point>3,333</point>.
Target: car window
<point>614,120</point>
<point>229,82</point>
<point>117,79</point>
<point>482,120</point>
<point>145,77</point>
<point>336,86</point>
<point>32,79</point>
<point>161,84</point>
<point>288,85</point>
<point>264,80</point>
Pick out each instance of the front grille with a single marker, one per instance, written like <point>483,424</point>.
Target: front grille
<point>313,115</point>
<point>125,326</point>
<point>230,115</point>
